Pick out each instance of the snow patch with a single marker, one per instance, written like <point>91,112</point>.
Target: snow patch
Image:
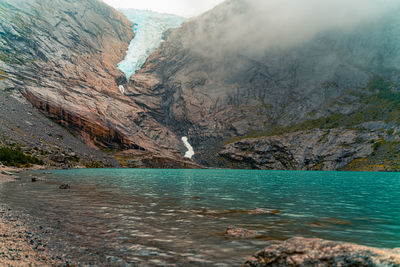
<point>190,153</point>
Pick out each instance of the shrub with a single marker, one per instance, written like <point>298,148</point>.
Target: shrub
<point>15,157</point>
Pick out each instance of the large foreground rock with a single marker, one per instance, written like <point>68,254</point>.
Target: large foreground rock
<point>300,251</point>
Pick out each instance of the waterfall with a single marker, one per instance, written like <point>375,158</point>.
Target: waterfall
<point>190,152</point>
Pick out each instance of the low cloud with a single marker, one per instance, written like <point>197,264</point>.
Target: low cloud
<point>257,25</point>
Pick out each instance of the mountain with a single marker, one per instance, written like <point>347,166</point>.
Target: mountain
<point>250,84</point>
<point>60,57</point>
<point>252,89</point>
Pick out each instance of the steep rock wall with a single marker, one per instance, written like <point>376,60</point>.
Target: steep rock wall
<point>211,81</point>
<point>62,56</point>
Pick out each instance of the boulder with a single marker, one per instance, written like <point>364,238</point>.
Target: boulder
<point>300,251</point>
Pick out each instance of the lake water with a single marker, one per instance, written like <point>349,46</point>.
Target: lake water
<point>162,217</point>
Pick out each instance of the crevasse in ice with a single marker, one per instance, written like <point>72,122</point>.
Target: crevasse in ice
<point>149,28</point>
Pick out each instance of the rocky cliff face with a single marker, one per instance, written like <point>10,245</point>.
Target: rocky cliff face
<point>62,57</point>
<point>315,149</point>
<point>202,82</point>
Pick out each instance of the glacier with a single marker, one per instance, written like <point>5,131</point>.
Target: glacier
<point>149,28</point>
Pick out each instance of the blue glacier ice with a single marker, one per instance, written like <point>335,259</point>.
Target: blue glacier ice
<point>149,28</point>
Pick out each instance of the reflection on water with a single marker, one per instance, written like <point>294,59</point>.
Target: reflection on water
<point>181,216</point>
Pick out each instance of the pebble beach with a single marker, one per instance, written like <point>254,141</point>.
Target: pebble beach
<point>19,245</point>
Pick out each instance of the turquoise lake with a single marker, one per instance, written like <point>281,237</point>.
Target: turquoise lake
<point>181,216</point>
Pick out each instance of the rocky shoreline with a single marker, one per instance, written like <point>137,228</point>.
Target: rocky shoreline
<point>20,246</point>
<point>8,174</point>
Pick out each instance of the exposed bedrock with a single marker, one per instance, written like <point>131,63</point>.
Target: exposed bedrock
<point>316,149</point>
<point>211,81</point>
<point>62,56</point>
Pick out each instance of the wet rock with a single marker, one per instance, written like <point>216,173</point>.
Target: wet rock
<point>300,251</point>
<point>316,224</point>
<point>236,232</point>
<point>263,211</point>
<point>336,221</point>
<point>6,173</point>
<point>194,197</point>
<point>64,186</point>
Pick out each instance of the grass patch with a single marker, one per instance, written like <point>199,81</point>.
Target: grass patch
<point>15,157</point>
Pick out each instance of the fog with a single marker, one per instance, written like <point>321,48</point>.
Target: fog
<point>257,25</point>
<point>185,8</point>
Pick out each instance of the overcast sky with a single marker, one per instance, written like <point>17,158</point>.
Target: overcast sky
<point>186,8</point>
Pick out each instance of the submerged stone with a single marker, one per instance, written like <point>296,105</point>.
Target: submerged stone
<point>65,186</point>
<point>237,232</point>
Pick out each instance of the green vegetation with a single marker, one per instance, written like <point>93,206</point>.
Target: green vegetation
<point>94,165</point>
<point>2,75</point>
<point>73,159</point>
<point>15,157</point>
<point>385,149</point>
<point>382,105</point>
<point>385,157</point>
<point>379,103</point>
<point>10,58</point>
